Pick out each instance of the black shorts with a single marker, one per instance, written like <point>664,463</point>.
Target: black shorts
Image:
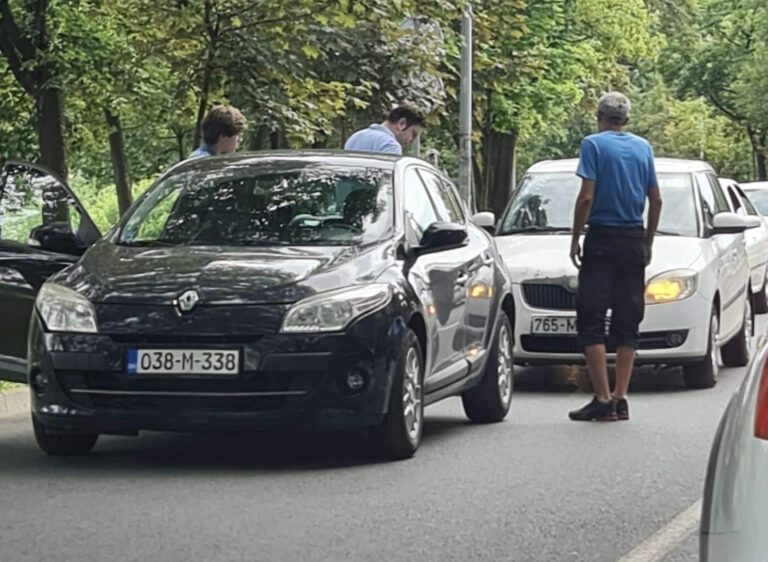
<point>612,276</point>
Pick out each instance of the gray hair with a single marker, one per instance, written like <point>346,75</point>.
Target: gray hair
<point>614,107</point>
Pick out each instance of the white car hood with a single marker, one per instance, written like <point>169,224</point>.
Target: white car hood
<point>546,256</point>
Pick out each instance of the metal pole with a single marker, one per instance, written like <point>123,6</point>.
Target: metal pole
<point>465,110</point>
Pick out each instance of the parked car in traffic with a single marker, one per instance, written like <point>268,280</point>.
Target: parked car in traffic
<point>756,241</point>
<point>735,503</point>
<point>286,290</point>
<point>758,194</point>
<point>699,300</point>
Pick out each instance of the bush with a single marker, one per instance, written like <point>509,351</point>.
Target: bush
<point>100,201</point>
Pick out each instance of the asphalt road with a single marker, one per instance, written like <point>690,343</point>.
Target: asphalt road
<point>536,487</point>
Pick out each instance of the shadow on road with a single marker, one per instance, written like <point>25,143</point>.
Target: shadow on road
<point>559,379</point>
<point>181,453</point>
<point>189,454</point>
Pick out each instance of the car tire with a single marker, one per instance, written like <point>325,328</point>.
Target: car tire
<point>63,444</point>
<point>737,352</point>
<point>399,435</point>
<point>703,374</point>
<point>490,400</point>
<point>761,300</point>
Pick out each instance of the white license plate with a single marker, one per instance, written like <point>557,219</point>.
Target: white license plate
<point>183,362</point>
<point>553,325</point>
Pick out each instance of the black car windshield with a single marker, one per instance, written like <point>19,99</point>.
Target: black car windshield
<point>544,203</point>
<point>264,204</point>
<point>759,198</point>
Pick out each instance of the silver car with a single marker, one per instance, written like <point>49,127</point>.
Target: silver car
<point>734,518</point>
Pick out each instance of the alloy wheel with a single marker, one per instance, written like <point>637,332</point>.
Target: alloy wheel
<point>412,410</point>
<point>504,366</point>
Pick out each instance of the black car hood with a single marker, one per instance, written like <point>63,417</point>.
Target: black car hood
<point>109,273</point>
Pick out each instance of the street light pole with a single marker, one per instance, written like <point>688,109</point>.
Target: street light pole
<point>465,109</point>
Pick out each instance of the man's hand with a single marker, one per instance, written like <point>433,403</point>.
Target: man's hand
<point>576,254</point>
<point>648,253</point>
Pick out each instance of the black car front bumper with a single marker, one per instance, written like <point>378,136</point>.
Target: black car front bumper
<point>295,382</point>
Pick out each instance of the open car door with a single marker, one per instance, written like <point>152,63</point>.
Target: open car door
<point>43,229</point>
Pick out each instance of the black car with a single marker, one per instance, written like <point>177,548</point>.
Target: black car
<point>294,290</point>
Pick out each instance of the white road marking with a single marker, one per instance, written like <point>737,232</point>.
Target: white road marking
<point>666,539</point>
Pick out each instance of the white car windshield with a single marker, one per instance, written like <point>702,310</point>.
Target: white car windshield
<point>544,203</point>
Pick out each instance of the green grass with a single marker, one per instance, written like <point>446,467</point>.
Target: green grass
<point>8,386</point>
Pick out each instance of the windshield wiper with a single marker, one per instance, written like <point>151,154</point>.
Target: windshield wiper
<point>537,229</point>
<point>147,243</point>
<point>667,233</point>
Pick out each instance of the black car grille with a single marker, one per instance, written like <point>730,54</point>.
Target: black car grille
<point>183,339</point>
<point>570,344</point>
<point>259,392</point>
<point>547,296</point>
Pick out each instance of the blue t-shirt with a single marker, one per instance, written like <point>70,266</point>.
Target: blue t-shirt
<point>621,165</point>
<point>202,152</point>
<point>376,138</point>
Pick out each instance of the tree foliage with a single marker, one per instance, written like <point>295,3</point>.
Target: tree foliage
<point>114,92</point>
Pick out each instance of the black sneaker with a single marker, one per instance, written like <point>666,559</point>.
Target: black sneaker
<point>622,409</point>
<point>595,410</point>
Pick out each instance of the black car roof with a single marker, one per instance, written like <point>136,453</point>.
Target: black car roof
<point>339,157</point>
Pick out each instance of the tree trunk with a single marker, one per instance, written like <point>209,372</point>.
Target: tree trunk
<point>119,162</point>
<point>50,136</point>
<point>50,130</point>
<point>178,134</point>
<point>499,159</point>
<point>758,141</point>
<point>761,167</point>
<point>205,86</point>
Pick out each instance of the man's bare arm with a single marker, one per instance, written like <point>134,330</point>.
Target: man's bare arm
<point>654,212</point>
<point>580,217</point>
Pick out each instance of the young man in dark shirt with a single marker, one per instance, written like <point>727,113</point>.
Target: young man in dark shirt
<point>618,176</point>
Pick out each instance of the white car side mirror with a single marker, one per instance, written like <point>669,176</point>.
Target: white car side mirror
<point>728,223</point>
<point>753,222</point>
<point>486,219</point>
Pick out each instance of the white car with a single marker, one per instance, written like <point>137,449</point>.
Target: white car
<point>735,505</point>
<point>698,294</point>
<point>756,239</point>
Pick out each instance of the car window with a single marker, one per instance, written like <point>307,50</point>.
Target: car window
<point>712,199</point>
<point>270,204</point>
<point>446,204</point>
<point>544,203</point>
<point>35,207</point>
<point>735,201</point>
<point>750,208</point>
<point>759,198</point>
<point>419,211</point>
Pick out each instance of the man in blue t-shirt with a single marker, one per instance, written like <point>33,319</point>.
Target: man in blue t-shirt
<point>618,176</point>
<point>402,127</point>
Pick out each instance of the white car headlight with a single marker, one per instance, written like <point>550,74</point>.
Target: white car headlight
<point>64,310</point>
<point>334,310</point>
<point>669,286</point>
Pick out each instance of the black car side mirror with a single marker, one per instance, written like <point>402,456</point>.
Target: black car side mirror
<point>442,236</point>
<point>56,237</point>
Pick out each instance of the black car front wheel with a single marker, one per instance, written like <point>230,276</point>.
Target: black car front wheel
<point>63,444</point>
<point>399,435</point>
<point>490,400</point>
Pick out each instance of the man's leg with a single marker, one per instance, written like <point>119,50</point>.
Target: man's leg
<point>628,305</point>
<point>598,371</point>
<point>625,363</point>
<point>593,298</point>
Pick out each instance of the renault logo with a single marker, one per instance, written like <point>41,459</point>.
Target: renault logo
<point>186,301</point>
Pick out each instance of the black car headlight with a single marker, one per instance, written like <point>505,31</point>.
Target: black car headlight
<point>64,310</point>
<point>335,310</point>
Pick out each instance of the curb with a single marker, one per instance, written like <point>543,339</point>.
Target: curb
<point>14,402</point>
